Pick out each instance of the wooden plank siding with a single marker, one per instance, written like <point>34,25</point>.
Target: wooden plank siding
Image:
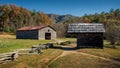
<point>47,30</point>
<point>88,34</point>
<point>90,40</point>
<point>27,34</point>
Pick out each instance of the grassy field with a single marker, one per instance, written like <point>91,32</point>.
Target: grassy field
<point>9,43</point>
<point>33,61</point>
<point>81,61</point>
<point>107,52</point>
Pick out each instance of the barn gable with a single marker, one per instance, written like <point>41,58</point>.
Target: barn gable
<point>46,32</point>
<point>88,34</point>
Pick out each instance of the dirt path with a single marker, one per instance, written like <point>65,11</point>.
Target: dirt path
<point>62,55</point>
<point>68,52</point>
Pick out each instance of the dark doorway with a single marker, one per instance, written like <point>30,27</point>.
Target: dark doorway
<point>48,36</point>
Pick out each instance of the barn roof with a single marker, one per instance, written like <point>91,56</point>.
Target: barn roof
<point>32,28</point>
<point>85,28</point>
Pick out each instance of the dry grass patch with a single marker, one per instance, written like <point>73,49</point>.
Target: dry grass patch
<point>33,61</point>
<point>6,35</point>
<point>81,61</point>
<point>106,52</point>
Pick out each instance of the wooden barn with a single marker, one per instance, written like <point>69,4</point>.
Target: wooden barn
<point>36,32</point>
<point>88,34</point>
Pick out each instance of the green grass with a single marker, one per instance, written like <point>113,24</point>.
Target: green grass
<point>7,45</point>
<point>11,43</point>
<point>66,39</point>
<point>81,61</point>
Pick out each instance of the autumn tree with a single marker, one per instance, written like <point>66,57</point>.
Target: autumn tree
<point>13,17</point>
<point>113,32</point>
<point>60,28</point>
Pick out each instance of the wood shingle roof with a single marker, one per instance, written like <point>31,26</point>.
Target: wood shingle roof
<point>86,28</point>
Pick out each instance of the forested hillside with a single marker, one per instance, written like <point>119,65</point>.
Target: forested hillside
<point>104,17</point>
<point>61,18</point>
<point>13,17</point>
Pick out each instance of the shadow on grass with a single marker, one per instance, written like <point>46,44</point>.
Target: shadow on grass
<point>64,47</point>
<point>112,46</point>
<point>69,48</point>
<point>56,47</point>
<point>117,59</point>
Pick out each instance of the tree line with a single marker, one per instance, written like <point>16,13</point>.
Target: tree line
<point>104,17</point>
<point>13,17</point>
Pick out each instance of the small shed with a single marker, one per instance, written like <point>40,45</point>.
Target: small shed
<point>36,32</point>
<point>88,34</point>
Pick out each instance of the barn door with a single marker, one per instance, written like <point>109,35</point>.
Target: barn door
<point>48,36</point>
